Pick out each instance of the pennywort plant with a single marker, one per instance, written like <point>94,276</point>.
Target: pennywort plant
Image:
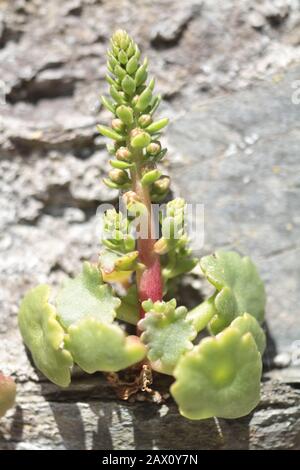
<point>218,375</point>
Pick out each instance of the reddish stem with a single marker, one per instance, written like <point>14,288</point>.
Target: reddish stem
<point>149,280</point>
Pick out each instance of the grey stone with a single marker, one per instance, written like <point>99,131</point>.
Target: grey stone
<point>169,31</point>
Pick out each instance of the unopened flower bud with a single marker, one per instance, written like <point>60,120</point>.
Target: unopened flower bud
<point>117,125</point>
<point>118,176</point>
<point>135,100</point>
<point>154,148</point>
<point>145,120</point>
<point>123,154</point>
<point>161,185</point>
<point>130,197</point>
<point>161,246</point>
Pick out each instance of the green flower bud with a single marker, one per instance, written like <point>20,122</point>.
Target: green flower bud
<point>154,148</point>
<point>135,100</point>
<point>117,125</point>
<point>118,176</point>
<point>132,65</point>
<point>139,138</point>
<point>108,132</point>
<point>120,37</point>
<point>128,85</point>
<point>145,120</point>
<point>157,125</point>
<point>125,114</point>
<point>123,154</point>
<point>122,57</point>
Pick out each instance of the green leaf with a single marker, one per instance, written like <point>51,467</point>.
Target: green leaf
<point>86,295</point>
<point>248,324</point>
<point>149,177</point>
<point>120,164</point>
<point>44,336</point>
<point>239,287</point>
<point>116,95</point>
<point>108,104</point>
<point>129,308</point>
<point>97,346</point>
<point>7,393</point>
<point>141,73</point>
<point>132,65</point>
<point>157,125</point>
<point>119,71</point>
<point>167,333</point>
<point>144,99</point>
<point>219,377</point>
<point>108,132</point>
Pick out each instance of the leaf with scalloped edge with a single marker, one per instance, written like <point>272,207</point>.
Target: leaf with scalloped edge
<point>219,377</point>
<point>104,347</point>
<point>239,287</point>
<point>86,295</point>
<point>248,324</point>
<point>44,336</point>
<point>129,310</point>
<point>167,334</point>
<point>7,393</point>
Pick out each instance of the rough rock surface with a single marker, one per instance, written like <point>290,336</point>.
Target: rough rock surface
<point>228,78</point>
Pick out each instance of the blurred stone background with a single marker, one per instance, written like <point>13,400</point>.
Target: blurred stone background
<point>228,74</point>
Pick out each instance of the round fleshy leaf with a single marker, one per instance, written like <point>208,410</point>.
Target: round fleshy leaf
<point>248,324</point>
<point>167,334</point>
<point>7,393</point>
<point>44,336</point>
<point>104,347</point>
<point>84,296</point>
<point>239,287</point>
<point>219,377</point>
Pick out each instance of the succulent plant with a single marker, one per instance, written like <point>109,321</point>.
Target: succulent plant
<point>218,375</point>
